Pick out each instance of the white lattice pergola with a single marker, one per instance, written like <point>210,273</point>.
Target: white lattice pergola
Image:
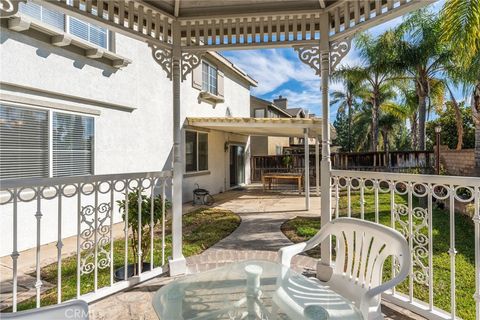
<point>179,32</point>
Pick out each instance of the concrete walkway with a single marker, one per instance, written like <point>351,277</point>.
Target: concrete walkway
<point>262,215</point>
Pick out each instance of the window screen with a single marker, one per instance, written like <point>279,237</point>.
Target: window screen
<point>23,142</point>
<point>259,113</point>
<point>202,151</point>
<point>89,32</point>
<point>81,29</point>
<point>53,18</point>
<point>209,78</point>
<point>72,145</point>
<point>190,151</point>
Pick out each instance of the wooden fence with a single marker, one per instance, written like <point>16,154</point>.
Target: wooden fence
<point>396,161</point>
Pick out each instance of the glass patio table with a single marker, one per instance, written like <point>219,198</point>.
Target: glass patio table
<point>250,289</point>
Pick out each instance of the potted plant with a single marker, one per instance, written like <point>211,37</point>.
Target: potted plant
<point>287,161</point>
<point>146,227</point>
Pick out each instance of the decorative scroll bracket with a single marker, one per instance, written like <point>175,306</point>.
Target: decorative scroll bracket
<point>338,50</point>
<point>163,57</point>
<point>310,55</point>
<point>9,7</point>
<point>190,60</point>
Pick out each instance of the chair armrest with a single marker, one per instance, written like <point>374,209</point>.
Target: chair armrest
<point>285,255</point>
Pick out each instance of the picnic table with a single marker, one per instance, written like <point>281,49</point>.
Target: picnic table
<point>270,177</point>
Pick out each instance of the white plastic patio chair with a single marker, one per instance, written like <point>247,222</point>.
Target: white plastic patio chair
<point>71,310</point>
<point>361,250</point>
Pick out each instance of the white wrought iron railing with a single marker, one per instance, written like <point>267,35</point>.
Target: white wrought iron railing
<point>423,208</point>
<point>89,209</point>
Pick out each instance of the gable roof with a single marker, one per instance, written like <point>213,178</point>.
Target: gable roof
<point>227,63</point>
<point>295,111</point>
<point>269,104</point>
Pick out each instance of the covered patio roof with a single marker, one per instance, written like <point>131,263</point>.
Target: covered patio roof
<point>279,127</point>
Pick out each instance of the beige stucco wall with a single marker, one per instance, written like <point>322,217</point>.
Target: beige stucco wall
<point>273,142</point>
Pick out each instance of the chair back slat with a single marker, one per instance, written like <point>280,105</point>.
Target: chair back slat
<point>374,253</point>
<point>350,253</point>
<point>361,250</point>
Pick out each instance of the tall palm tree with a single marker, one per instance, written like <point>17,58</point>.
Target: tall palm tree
<point>376,74</point>
<point>345,99</point>
<point>362,120</point>
<point>460,23</point>
<point>387,123</point>
<point>421,56</point>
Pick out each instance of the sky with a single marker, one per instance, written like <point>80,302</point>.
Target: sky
<point>280,71</point>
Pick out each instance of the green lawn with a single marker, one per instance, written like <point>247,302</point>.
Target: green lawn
<point>201,229</point>
<point>303,228</point>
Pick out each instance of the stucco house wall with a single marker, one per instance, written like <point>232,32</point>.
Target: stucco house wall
<point>133,128</point>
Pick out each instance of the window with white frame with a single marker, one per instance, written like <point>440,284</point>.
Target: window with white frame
<point>196,151</point>
<point>38,143</point>
<point>209,78</point>
<point>74,26</point>
<point>72,144</point>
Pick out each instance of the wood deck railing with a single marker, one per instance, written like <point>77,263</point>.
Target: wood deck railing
<point>395,161</point>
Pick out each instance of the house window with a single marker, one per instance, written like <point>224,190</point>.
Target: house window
<point>23,143</point>
<point>278,150</point>
<point>50,17</point>
<point>72,145</point>
<point>74,26</point>
<point>89,32</point>
<point>196,151</point>
<point>209,78</point>
<point>259,113</point>
<point>27,134</point>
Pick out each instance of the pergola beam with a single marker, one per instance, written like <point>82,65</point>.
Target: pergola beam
<point>177,8</point>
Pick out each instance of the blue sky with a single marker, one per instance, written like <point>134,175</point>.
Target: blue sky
<point>280,72</point>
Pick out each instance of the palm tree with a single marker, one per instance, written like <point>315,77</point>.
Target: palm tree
<point>345,99</point>
<point>387,123</point>
<point>363,125</point>
<point>376,74</point>
<point>421,56</point>
<point>460,26</point>
<point>458,117</point>
<point>460,23</point>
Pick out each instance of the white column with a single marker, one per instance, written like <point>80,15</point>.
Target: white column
<point>323,269</point>
<point>317,166</point>
<point>307,169</point>
<point>177,263</point>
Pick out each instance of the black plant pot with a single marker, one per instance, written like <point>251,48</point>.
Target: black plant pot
<point>131,270</point>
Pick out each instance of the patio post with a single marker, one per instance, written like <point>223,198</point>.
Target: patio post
<point>177,263</point>
<point>307,169</point>
<point>317,166</point>
<point>323,267</point>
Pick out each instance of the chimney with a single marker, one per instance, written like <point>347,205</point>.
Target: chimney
<point>281,102</point>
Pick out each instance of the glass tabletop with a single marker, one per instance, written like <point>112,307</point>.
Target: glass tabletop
<point>252,289</point>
